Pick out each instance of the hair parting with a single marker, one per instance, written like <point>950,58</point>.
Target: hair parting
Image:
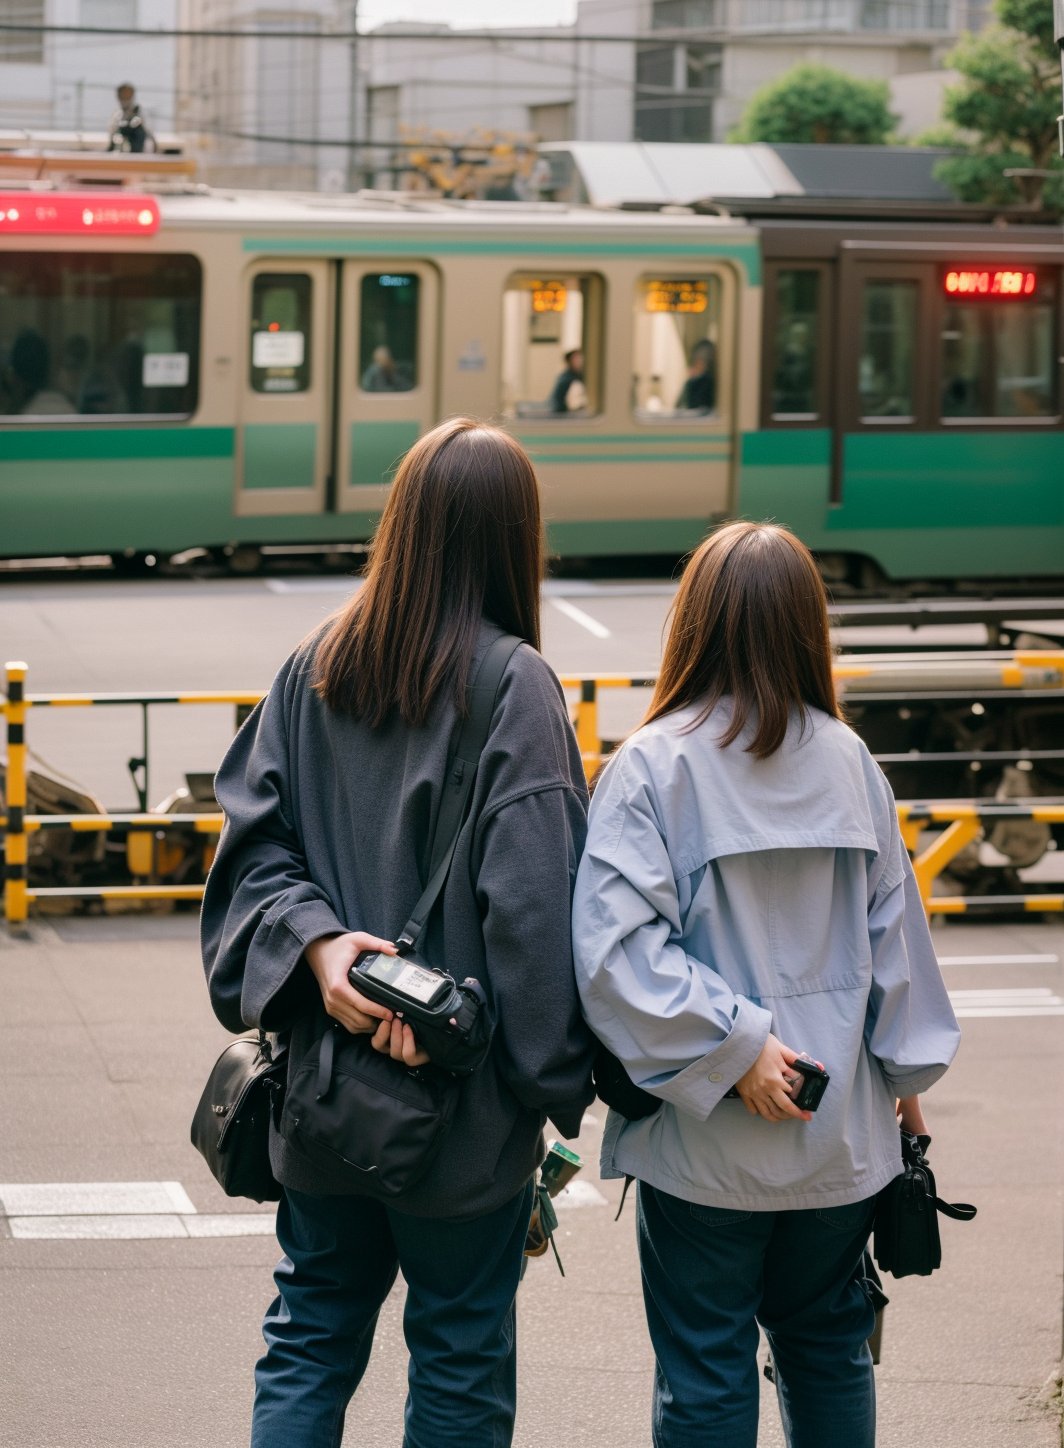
<point>460,540</point>
<point>750,625</point>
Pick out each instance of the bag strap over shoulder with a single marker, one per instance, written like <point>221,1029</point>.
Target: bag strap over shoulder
<point>458,785</point>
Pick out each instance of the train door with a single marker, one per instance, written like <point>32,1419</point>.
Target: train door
<point>386,369</point>
<point>884,373</point>
<point>284,433</point>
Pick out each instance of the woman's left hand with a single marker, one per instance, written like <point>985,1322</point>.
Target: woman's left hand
<point>396,1039</point>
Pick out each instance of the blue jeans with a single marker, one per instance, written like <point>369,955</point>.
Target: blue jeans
<point>341,1258</point>
<point>710,1275</point>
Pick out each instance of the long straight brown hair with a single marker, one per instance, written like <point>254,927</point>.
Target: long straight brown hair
<point>460,540</point>
<point>750,624</point>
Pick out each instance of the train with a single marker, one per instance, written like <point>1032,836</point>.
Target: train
<point>187,369</point>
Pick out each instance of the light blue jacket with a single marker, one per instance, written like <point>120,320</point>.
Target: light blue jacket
<point>722,897</point>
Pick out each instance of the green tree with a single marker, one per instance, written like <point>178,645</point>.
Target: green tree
<point>1002,116</point>
<point>816,103</point>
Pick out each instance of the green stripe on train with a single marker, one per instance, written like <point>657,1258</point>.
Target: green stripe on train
<point>746,252</point>
<point>86,443</point>
<point>932,505</point>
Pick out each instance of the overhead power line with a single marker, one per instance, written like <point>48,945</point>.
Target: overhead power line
<point>554,35</point>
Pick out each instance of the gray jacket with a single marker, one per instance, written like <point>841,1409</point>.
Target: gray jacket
<point>327,829</point>
<point>722,897</point>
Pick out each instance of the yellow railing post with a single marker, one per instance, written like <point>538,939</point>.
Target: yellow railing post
<point>587,730</point>
<point>946,847</point>
<point>16,905</point>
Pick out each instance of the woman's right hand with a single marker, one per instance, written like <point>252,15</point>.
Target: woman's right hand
<point>330,957</point>
<point>765,1090</point>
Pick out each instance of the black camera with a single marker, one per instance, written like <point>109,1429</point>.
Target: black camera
<point>814,1083</point>
<point>450,1019</point>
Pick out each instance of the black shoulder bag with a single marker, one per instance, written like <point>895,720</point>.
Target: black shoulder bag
<point>370,1121</point>
<point>231,1125</point>
<point>906,1237</point>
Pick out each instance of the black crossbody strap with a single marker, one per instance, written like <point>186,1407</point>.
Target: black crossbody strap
<point>458,784</point>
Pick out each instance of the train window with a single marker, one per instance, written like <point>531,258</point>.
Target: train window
<point>676,335</point>
<point>549,352</point>
<point>387,337</point>
<point>99,334</point>
<point>796,359</point>
<point>885,362</point>
<point>997,356</point>
<point>280,332</point>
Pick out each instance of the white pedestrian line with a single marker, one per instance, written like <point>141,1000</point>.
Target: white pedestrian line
<point>141,1227</point>
<point>59,1211</point>
<point>1000,993</point>
<point>578,615</point>
<point>998,959</point>
<point>1000,1012</point>
<point>92,1199</point>
<point>580,1194</point>
<point>1007,1002</point>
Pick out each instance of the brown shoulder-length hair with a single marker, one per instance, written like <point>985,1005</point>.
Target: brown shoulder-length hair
<point>460,539</point>
<point>749,623</point>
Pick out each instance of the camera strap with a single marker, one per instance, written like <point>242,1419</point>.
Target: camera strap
<point>461,773</point>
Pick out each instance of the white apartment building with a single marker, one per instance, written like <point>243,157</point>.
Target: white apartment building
<point>263,111</point>
<point>688,77</point>
<point>279,106</point>
<point>52,82</point>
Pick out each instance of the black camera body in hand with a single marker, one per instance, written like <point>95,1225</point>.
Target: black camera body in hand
<point>450,1018</point>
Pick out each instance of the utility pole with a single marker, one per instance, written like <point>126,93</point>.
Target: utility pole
<point>353,161</point>
<point>1058,31</point>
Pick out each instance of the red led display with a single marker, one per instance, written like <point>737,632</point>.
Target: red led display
<point>49,213</point>
<point>996,282</point>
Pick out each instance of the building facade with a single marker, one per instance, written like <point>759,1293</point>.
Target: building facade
<point>55,82</point>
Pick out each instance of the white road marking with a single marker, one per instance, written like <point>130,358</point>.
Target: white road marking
<point>579,1194</point>
<point>92,1199</point>
<point>998,959</point>
<point>142,1228</point>
<point>992,1012</point>
<point>118,1211</point>
<point>71,1229</point>
<point>311,585</point>
<point>578,615</point>
<point>1014,1001</point>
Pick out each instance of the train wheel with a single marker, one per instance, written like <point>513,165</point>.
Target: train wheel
<point>132,563</point>
<point>242,558</point>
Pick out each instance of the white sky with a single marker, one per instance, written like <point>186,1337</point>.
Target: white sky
<point>468,13</point>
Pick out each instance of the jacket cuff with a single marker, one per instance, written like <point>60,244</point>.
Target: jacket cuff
<point>568,1120</point>
<point>699,1087</point>
<point>914,1083</point>
<point>272,985</point>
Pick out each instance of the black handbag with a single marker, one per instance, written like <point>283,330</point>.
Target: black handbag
<point>231,1124</point>
<point>371,1122</point>
<point>906,1236</point>
<point>353,1111</point>
<point>615,1087</point>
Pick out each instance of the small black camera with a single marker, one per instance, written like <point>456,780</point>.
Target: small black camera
<point>814,1083</point>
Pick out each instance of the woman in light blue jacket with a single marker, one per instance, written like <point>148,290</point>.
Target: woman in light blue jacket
<point>745,897</point>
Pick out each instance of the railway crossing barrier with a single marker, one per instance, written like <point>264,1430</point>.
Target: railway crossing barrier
<point>884,677</point>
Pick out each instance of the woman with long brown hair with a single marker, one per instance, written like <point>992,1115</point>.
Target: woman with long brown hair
<point>745,900</point>
<point>331,792</point>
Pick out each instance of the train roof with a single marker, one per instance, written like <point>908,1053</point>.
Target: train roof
<point>758,180</point>
<point>319,211</point>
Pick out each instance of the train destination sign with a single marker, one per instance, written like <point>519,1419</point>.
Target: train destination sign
<point>677,296</point>
<point>993,282</point>
<point>548,296</point>
<point>49,213</point>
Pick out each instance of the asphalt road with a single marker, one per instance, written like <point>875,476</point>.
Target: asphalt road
<point>145,1337</point>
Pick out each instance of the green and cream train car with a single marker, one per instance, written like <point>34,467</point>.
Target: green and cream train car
<point>228,371</point>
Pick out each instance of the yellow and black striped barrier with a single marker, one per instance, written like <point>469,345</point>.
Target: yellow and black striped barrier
<point>16,847</point>
<point>961,822</point>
